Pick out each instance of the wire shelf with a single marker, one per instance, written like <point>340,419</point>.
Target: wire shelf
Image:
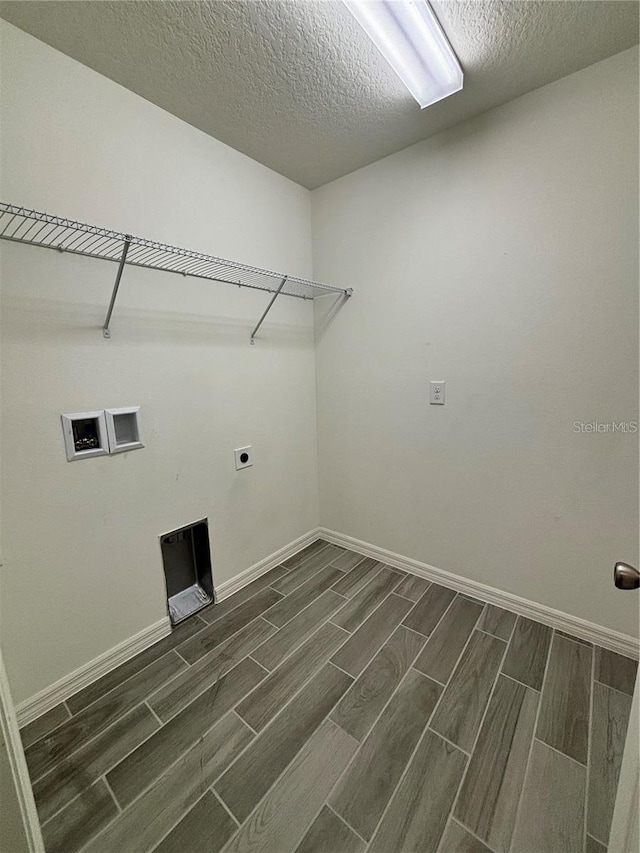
<point>34,228</point>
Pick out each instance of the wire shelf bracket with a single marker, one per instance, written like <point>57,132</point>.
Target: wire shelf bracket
<point>33,228</point>
<point>123,259</point>
<point>252,339</point>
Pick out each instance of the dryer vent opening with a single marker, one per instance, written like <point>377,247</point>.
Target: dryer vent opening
<point>187,570</point>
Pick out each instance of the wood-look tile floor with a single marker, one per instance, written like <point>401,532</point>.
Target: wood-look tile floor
<point>337,705</point>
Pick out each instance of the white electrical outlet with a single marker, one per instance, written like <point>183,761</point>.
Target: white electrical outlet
<point>244,457</point>
<point>436,393</point>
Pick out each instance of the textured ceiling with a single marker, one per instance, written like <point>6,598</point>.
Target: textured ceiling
<point>296,85</point>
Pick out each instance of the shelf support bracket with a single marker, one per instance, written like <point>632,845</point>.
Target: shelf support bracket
<point>105,329</point>
<point>267,309</point>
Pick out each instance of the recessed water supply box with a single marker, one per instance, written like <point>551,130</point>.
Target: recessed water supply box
<point>123,429</point>
<point>85,435</point>
<point>186,559</point>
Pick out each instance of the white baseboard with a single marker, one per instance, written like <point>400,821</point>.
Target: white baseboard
<point>48,698</point>
<point>224,590</point>
<point>606,637</point>
<point>64,688</point>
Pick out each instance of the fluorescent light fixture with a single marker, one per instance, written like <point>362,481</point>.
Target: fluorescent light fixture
<point>409,36</point>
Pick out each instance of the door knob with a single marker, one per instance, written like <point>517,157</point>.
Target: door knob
<point>626,576</point>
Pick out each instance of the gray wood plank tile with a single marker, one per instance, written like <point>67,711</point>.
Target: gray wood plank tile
<point>497,621</point>
<point>594,846</point>
<point>564,713</point>
<point>336,551</point>
<point>360,706</point>
<point>131,668</point>
<point>304,595</point>
<point>413,587</point>
<point>296,577</point>
<point>43,755</point>
<point>184,688</point>
<point>551,815</point>
<point>611,710</point>
<point>358,578</point>
<point>365,602</point>
<point>471,598</point>
<point>329,834</point>
<point>527,654</point>
<point>218,610</point>
<point>269,697</point>
<point>466,696</point>
<point>82,818</point>
<point>348,560</point>
<point>572,637</point>
<point>490,793</point>
<point>72,775</point>
<point>398,571</point>
<point>282,818</point>
<point>416,817</point>
<point>299,558</point>
<point>456,839</point>
<point>615,670</point>
<point>367,786</point>
<point>152,815</point>
<point>204,829</point>
<point>430,609</point>
<point>220,630</point>
<point>356,653</point>
<point>150,759</point>
<point>446,643</point>
<point>45,724</point>
<point>247,781</point>
<point>273,651</point>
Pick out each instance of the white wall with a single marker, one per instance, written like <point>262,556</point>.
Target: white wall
<point>82,568</point>
<point>502,257</point>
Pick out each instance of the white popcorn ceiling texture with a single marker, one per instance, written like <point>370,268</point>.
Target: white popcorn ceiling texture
<point>296,85</point>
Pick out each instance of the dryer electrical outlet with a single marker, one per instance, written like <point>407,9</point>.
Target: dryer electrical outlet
<point>244,457</point>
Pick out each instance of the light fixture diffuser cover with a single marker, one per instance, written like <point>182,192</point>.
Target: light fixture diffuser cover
<point>409,36</point>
